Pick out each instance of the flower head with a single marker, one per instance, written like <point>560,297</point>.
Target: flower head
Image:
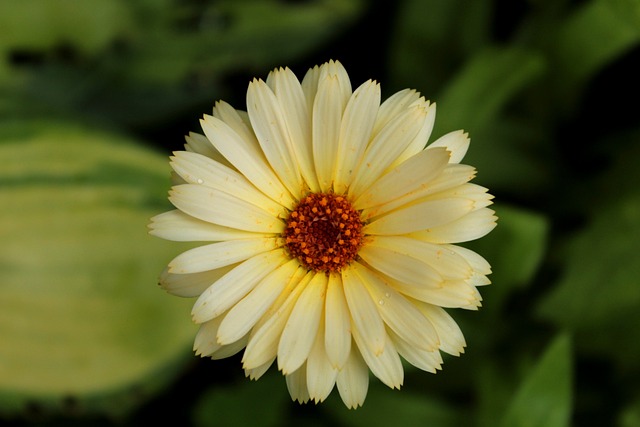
<point>331,231</point>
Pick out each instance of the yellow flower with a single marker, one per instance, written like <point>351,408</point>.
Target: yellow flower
<point>333,229</point>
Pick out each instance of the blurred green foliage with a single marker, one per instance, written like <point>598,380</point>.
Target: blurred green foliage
<point>85,87</point>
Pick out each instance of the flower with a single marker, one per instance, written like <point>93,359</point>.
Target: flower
<point>333,231</point>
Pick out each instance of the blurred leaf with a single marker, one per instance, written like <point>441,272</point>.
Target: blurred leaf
<point>593,36</point>
<point>599,289</point>
<point>385,407</point>
<point>164,58</point>
<point>431,37</point>
<point>630,415</point>
<point>261,403</point>
<point>475,96</point>
<point>514,249</point>
<point>81,317</point>
<point>544,398</point>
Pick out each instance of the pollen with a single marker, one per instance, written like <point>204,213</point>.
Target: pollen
<point>324,232</point>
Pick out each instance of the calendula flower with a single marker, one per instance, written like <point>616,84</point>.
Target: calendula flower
<point>332,233</point>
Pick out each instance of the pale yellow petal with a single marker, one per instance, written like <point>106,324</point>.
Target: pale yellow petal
<point>451,339</point>
<point>191,285</point>
<point>231,349</point>
<point>353,380</point>
<point>269,125</point>
<point>302,326</point>
<point>321,375</point>
<point>420,140</point>
<point>420,216</point>
<point>178,226</point>
<point>244,315</point>
<point>297,385</point>
<point>338,323</point>
<point>364,313</point>
<point>327,116</point>
<point>456,142</point>
<point>393,106</point>
<point>297,118</point>
<point>247,158</point>
<point>205,342</point>
<point>265,336</point>
<point>472,226</point>
<point>429,361</point>
<point>259,371</point>
<point>218,207</point>
<point>355,132</point>
<point>235,284</point>
<point>198,169</point>
<point>400,315</point>
<point>198,143</point>
<point>405,179</point>
<point>220,254</point>
<point>385,148</point>
<point>385,365</point>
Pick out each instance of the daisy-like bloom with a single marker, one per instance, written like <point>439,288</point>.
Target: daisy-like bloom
<point>330,233</point>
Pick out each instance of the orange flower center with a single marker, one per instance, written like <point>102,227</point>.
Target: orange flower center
<point>324,232</point>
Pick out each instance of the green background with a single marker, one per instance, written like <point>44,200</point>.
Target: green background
<point>94,95</point>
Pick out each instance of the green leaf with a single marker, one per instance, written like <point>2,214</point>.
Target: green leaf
<point>597,33</point>
<point>514,249</point>
<point>384,407</point>
<point>544,399</point>
<point>81,316</point>
<point>432,36</point>
<point>261,403</point>
<point>599,291</point>
<point>475,96</point>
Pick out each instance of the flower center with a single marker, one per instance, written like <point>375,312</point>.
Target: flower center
<point>324,232</point>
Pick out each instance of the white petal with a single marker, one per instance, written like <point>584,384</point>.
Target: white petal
<point>447,263</point>
<point>429,361</point>
<point>239,123</point>
<point>191,285</point>
<point>247,158</point>
<point>267,119</point>
<point>335,68</point>
<point>205,342</point>
<point>235,284</point>
<point>177,226</point>
<point>321,375</point>
<point>212,205</point>
<point>385,148</point>
<point>453,175</point>
<point>198,143</point>
<point>198,169</point>
<point>405,179</point>
<point>353,380</point>
<point>230,349</point>
<point>244,315</point>
<point>400,314</point>
<point>472,226</point>
<point>451,338</point>
<point>451,293</point>
<point>401,267</point>
<point>420,216</point>
<point>364,313</point>
<point>456,142</point>
<point>265,335</point>
<point>393,106</point>
<point>355,132</point>
<point>310,86</point>
<point>327,115</point>
<point>297,385</point>
<point>420,140</point>
<point>257,372</point>
<point>338,323</point>
<point>386,365</point>
<point>476,261</point>
<point>302,326</point>
<point>297,118</point>
<point>216,255</point>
